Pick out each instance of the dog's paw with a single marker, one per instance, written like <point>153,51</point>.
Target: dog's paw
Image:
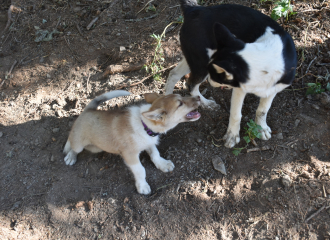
<point>143,187</point>
<point>165,165</point>
<point>70,158</point>
<point>231,139</point>
<point>209,104</point>
<point>266,133</point>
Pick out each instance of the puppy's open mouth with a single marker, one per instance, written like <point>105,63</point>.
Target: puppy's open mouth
<point>193,115</point>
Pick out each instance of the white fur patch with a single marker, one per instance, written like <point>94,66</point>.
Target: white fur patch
<point>266,64</point>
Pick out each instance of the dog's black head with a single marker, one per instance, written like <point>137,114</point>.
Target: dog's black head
<point>226,67</point>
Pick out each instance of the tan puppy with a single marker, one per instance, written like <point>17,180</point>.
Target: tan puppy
<point>129,131</point>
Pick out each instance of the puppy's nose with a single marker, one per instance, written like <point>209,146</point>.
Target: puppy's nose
<point>198,98</point>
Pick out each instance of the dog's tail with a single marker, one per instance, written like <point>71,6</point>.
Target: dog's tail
<point>187,3</point>
<point>105,97</point>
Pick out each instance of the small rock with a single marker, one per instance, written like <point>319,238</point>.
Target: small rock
<point>80,204</point>
<point>325,98</point>
<point>60,101</point>
<point>78,85</point>
<point>95,68</point>
<point>59,113</point>
<point>122,48</point>
<point>286,181</point>
<point>219,165</point>
<point>76,9</point>
<point>315,106</point>
<point>118,34</point>
<point>16,205</point>
<point>305,175</point>
<point>296,123</point>
<point>52,158</point>
<point>279,136</point>
<point>56,130</point>
<point>1,134</point>
<point>48,75</point>
<point>198,140</point>
<point>77,68</point>
<point>90,205</point>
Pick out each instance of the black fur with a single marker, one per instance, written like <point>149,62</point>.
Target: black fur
<point>200,31</point>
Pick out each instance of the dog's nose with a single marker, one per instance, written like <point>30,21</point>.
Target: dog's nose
<point>198,98</point>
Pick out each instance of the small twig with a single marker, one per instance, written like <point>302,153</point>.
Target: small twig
<point>10,19</point>
<point>323,64</point>
<point>254,142</point>
<point>317,212</point>
<point>310,65</point>
<point>274,152</point>
<point>89,75</point>
<point>164,186</point>
<point>95,19</point>
<point>134,84</point>
<point>141,19</point>
<point>79,30</point>
<point>264,148</point>
<point>144,6</point>
<point>11,69</point>
<point>216,144</point>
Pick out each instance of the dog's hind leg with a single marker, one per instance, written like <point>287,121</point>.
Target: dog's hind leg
<point>71,151</point>
<point>160,163</point>
<point>261,116</point>
<point>175,75</point>
<point>232,135</point>
<point>133,162</point>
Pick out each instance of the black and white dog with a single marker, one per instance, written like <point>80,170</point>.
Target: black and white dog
<point>236,47</point>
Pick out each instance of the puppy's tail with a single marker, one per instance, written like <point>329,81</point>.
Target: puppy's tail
<point>187,3</point>
<point>105,97</point>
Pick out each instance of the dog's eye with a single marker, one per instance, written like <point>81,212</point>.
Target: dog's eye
<point>180,104</point>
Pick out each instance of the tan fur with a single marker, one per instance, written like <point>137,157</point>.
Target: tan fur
<point>121,132</point>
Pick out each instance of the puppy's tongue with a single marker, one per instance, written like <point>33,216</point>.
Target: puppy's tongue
<point>193,115</point>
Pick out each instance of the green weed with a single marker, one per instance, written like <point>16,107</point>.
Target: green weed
<point>315,88</point>
<point>283,8</point>
<point>157,63</point>
<point>252,132</point>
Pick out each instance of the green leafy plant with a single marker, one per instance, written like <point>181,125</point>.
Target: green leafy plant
<point>252,132</point>
<point>315,88</point>
<point>151,8</point>
<point>283,8</point>
<point>328,87</point>
<point>157,63</point>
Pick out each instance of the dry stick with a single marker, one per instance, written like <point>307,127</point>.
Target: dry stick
<point>89,75</point>
<point>95,19</point>
<point>309,65</point>
<point>134,84</point>
<point>317,212</point>
<point>10,10</point>
<point>125,67</point>
<point>11,69</point>
<point>264,148</point>
<point>144,6</point>
<point>71,49</point>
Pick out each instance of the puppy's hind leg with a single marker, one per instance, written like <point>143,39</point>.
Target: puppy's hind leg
<point>71,152</point>
<point>160,163</point>
<point>261,116</point>
<point>175,75</point>
<point>133,162</point>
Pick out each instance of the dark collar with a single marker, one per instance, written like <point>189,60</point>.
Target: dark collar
<point>148,130</point>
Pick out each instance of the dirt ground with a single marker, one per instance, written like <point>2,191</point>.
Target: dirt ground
<point>280,193</point>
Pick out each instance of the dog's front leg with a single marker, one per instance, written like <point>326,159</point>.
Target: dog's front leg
<point>175,75</point>
<point>205,103</point>
<point>261,116</point>
<point>232,136</point>
<point>139,172</point>
<point>160,163</point>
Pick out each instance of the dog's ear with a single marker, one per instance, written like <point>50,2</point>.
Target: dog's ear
<point>220,70</point>
<point>155,115</point>
<point>151,97</point>
<point>222,35</point>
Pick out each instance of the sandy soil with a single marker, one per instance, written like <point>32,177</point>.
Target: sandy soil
<point>270,194</point>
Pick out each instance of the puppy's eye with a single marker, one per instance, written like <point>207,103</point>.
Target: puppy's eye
<point>180,104</point>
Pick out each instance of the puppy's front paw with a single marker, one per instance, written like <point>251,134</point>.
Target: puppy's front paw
<point>165,165</point>
<point>231,139</point>
<point>143,187</point>
<point>266,133</point>
<point>70,158</point>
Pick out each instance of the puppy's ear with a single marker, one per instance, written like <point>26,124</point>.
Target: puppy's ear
<point>219,70</point>
<point>151,97</point>
<point>155,115</point>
